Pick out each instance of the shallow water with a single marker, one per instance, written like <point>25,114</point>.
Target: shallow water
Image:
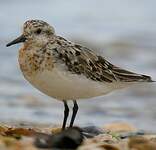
<point>125,33</point>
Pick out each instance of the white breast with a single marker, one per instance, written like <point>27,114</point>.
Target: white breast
<point>63,85</point>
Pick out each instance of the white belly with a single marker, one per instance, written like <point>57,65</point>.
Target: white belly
<point>64,86</point>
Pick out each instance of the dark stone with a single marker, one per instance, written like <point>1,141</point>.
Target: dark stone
<point>68,139</point>
<point>43,140</point>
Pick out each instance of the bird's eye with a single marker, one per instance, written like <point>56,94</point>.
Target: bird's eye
<point>38,31</point>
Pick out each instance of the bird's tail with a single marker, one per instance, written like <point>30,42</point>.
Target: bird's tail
<point>145,78</point>
<point>128,76</point>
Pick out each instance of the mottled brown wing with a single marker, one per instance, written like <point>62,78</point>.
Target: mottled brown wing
<point>81,60</point>
<point>127,76</point>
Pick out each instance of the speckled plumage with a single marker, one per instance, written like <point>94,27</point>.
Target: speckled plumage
<point>77,60</point>
<point>65,70</point>
<point>46,51</point>
<point>81,60</point>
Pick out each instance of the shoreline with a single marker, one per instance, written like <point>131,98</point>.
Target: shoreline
<point>115,136</point>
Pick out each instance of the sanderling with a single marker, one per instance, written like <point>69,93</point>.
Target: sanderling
<point>65,70</point>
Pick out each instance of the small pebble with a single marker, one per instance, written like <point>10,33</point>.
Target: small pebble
<point>132,134</point>
<point>91,131</point>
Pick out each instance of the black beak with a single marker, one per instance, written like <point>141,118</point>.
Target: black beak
<point>18,40</point>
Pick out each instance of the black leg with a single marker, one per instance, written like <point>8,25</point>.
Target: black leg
<point>75,109</point>
<point>66,113</point>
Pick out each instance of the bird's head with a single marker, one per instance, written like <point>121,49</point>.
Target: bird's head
<point>36,32</point>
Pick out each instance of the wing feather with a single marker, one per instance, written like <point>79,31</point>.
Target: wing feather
<point>81,60</point>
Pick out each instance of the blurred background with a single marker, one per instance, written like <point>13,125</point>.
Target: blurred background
<point>124,31</point>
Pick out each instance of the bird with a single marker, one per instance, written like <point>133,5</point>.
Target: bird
<point>65,70</point>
